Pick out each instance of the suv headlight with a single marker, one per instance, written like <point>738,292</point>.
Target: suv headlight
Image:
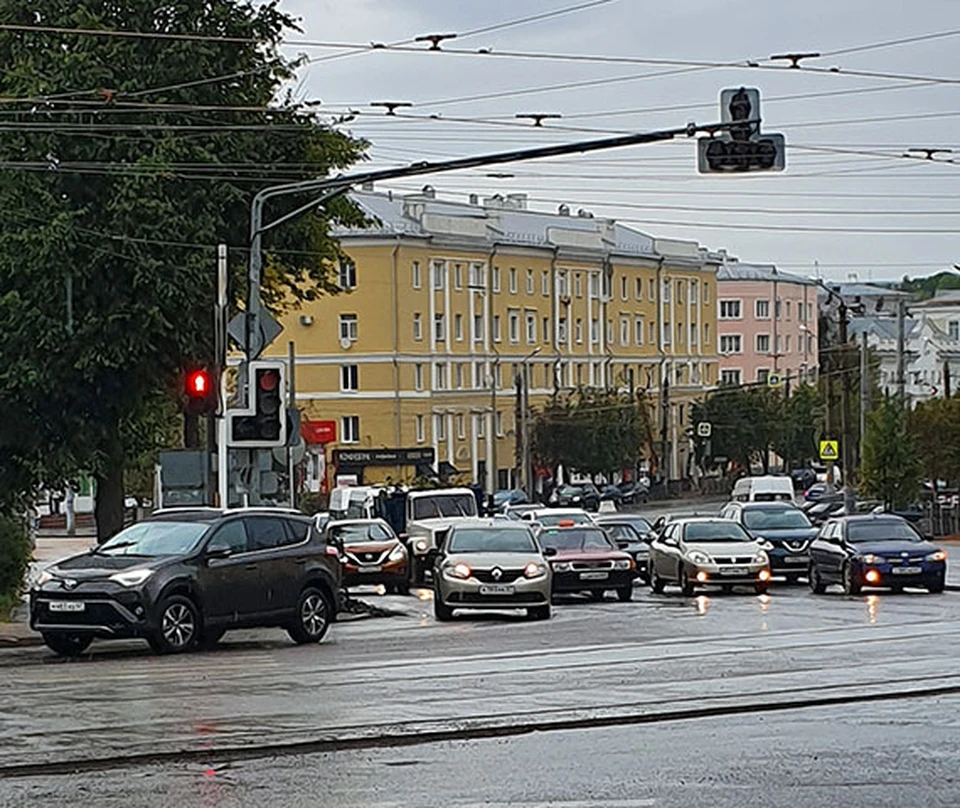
<point>131,577</point>
<point>421,546</point>
<point>45,577</point>
<point>459,570</point>
<point>761,558</point>
<point>870,558</point>
<point>397,553</point>
<point>561,566</point>
<point>534,570</point>
<point>623,564</point>
<point>699,558</point>
<point>940,555</point>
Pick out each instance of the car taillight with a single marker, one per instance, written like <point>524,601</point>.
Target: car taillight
<point>331,551</point>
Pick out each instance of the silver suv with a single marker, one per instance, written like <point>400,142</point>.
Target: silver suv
<point>489,564</point>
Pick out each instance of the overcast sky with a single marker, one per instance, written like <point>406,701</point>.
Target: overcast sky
<point>876,215</point>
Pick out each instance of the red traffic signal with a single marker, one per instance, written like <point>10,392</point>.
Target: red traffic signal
<point>200,391</point>
<point>198,384</point>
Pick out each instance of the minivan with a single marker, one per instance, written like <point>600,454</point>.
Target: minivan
<point>770,488</point>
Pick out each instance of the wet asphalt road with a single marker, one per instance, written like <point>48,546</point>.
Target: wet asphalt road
<point>596,707</point>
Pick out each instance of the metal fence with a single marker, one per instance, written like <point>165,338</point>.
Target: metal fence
<point>941,516</point>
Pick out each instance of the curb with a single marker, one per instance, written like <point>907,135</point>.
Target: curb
<point>9,642</point>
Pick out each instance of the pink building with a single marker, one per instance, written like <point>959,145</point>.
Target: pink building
<point>757,336</point>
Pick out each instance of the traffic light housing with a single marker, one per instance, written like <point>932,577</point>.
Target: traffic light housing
<point>200,391</point>
<point>264,423</point>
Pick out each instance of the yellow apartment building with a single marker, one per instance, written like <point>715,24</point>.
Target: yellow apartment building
<point>414,364</point>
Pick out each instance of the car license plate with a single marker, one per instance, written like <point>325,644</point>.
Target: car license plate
<point>497,589</point>
<point>734,571</point>
<point>796,559</point>
<point>371,568</point>
<point>66,605</point>
<point>594,576</point>
<point>906,570</point>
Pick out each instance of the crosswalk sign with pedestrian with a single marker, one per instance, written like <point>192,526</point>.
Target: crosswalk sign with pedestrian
<point>829,449</point>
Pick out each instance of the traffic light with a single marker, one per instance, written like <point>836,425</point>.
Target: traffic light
<point>200,391</point>
<point>264,422</point>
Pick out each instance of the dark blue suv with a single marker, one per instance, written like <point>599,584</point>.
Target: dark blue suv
<point>784,527</point>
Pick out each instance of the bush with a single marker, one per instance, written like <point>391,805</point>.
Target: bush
<point>15,553</point>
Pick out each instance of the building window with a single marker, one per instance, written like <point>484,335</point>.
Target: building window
<point>562,289</point>
<point>693,333</point>
<point>579,375</point>
<point>546,329</point>
<point>809,343</point>
<point>680,285</point>
<point>350,429</point>
<point>441,376</point>
<point>623,288</point>
<point>415,273</point>
<point>666,291</point>
<point>481,426</point>
<point>513,281</point>
<point>479,381</point>
<point>706,333</point>
<point>638,329</point>
<point>578,331</point>
<point>458,376</point>
<point>652,290</point>
<point>440,426</point>
<point>438,275</point>
<point>529,281</point>
<point>763,343</point>
<point>680,333</point>
<point>420,435</point>
<point>439,327</point>
<point>495,328</point>
<point>562,330</point>
<point>763,374</point>
<point>418,377</point>
<point>667,333</point>
<point>953,329</point>
<point>578,284</point>
<point>348,327</point>
<point>458,327</point>
<point>624,330</point>
<point>706,293</point>
<point>417,327</point>
<point>594,284</point>
<point>457,277</point>
<point>478,328</point>
<point>730,377</point>
<point>545,284</point>
<point>653,332</point>
<point>731,344</point>
<point>496,280</point>
<point>788,309</point>
<point>693,291</point>
<point>349,381</point>
<point>531,328</point>
<point>514,327</point>
<point>762,309</point>
<point>499,420</point>
<point>461,427</point>
<point>729,309</point>
<point>476,279</point>
<point>787,349</point>
<point>595,331</point>
<point>638,293</point>
<point>348,274</point>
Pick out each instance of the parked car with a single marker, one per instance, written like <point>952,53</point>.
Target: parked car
<point>491,565</point>
<point>611,493</point>
<point>186,576</point>
<point>803,478</point>
<point>819,512</point>
<point>819,491</point>
<point>708,551</point>
<point>875,550</point>
<point>630,540</point>
<point>554,517</point>
<point>576,496</point>
<point>586,560</point>
<point>502,499</point>
<point>784,526</point>
<point>633,492</point>
<point>516,512</point>
<point>371,553</point>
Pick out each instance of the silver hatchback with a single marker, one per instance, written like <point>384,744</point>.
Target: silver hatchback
<point>491,565</point>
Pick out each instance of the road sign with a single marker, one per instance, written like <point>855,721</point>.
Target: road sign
<point>829,450</point>
<point>704,429</point>
<point>269,330</point>
<point>774,380</point>
<point>742,148</point>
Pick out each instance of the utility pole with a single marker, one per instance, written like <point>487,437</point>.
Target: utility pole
<point>664,429</point>
<point>494,474</point>
<point>901,352</point>
<point>292,385</point>
<point>845,419</point>
<point>864,395</point>
<point>220,362</point>
<point>519,431</point>
<point>946,379</point>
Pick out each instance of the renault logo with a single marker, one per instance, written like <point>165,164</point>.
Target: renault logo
<point>497,573</point>
<point>69,583</point>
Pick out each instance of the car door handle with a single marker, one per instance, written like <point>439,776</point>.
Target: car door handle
<point>250,567</point>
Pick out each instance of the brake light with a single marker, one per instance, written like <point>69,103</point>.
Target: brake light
<point>565,523</point>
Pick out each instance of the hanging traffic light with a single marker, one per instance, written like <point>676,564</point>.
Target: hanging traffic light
<point>264,422</point>
<point>200,391</point>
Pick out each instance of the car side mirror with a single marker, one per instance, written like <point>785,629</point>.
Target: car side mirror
<point>549,552</point>
<point>218,552</point>
<point>623,545</point>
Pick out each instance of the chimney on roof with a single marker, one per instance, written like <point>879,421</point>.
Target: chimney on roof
<point>495,201</point>
<point>367,186</point>
<point>563,210</point>
<point>583,213</point>
<point>429,192</point>
<point>474,199</point>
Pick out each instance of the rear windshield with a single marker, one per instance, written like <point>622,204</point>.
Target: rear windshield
<point>492,540</point>
<point>775,519</point>
<point>573,538</point>
<point>554,519</point>
<point>714,531</point>
<point>772,496</point>
<point>882,530</point>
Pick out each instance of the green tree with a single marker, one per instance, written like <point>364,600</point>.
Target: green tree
<point>891,467</point>
<point>935,427</point>
<point>127,160</point>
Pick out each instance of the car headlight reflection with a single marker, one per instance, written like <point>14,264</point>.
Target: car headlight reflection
<point>870,558</point>
<point>131,577</point>
<point>534,570</point>
<point>460,570</point>
<point>940,555</point>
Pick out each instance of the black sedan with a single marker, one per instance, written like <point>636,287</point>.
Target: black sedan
<point>584,496</point>
<point>876,550</point>
<point>630,540</point>
<point>784,526</point>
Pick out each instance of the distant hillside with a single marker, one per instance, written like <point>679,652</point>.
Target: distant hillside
<point>924,288</point>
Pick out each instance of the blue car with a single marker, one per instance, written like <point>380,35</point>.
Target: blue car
<point>876,550</point>
<point>784,527</point>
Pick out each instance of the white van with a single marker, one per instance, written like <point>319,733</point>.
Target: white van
<point>770,488</point>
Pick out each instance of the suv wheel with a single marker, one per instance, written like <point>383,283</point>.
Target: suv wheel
<point>851,584</point>
<point>178,626</point>
<point>686,585</point>
<point>66,645</point>
<point>441,611</point>
<point>817,586</point>
<point>312,619</point>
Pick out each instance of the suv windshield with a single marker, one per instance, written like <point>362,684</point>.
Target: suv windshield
<point>714,531</point>
<point>882,530</point>
<point>446,505</point>
<point>492,540</point>
<point>350,534</point>
<point>772,519</point>
<point>572,538</point>
<point>155,539</point>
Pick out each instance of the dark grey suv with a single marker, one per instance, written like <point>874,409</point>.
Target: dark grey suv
<point>185,576</point>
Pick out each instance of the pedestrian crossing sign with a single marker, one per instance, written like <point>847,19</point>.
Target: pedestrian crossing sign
<point>829,450</point>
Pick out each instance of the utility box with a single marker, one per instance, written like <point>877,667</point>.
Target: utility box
<point>185,478</point>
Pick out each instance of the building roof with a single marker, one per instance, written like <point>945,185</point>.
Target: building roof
<point>737,271</point>
<point>496,219</point>
<point>854,290</point>
<point>943,297</point>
